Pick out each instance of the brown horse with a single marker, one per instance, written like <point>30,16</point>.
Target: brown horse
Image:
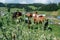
<point>29,14</point>
<point>36,17</point>
<point>39,19</point>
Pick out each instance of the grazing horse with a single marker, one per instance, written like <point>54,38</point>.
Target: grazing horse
<point>39,19</point>
<point>16,14</point>
<point>28,21</point>
<point>29,14</point>
<point>35,14</point>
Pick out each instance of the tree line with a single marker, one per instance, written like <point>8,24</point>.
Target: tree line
<point>38,6</point>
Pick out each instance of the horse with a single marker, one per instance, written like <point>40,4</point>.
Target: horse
<point>28,21</point>
<point>29,15</point>
<point>17,16</point>
<point>39,19</point>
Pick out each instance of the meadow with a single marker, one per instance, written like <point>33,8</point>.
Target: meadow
<point>9,27</point>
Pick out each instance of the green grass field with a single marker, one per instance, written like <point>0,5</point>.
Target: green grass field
<point>10,27</point>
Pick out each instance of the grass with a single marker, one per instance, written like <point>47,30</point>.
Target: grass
<point>23,33</point>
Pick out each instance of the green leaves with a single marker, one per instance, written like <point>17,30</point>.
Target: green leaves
<point>1,24</point>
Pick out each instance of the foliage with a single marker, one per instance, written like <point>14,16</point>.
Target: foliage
<point>27,7</point>
<point>22,32</point>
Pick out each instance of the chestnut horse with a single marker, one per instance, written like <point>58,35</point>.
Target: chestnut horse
<point>39,19</point>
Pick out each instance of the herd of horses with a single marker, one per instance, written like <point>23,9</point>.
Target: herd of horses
<point>37,19</point>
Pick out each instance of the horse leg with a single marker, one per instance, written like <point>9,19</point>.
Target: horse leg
<point>29,26</point>
<point>45,27</point>
<point>40,22</point>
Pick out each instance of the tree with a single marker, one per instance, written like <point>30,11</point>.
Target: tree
<point>59,5</point>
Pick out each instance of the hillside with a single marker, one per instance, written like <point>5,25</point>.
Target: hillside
<point>33,7</point>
